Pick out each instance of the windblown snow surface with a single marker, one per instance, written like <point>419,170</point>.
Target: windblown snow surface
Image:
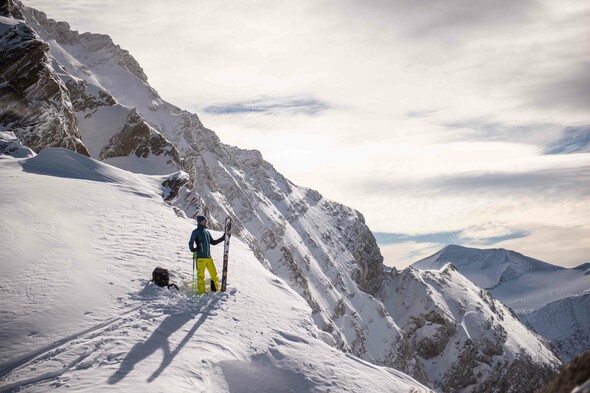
<point>78,242</point>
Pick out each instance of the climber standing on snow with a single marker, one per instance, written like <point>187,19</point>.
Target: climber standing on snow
<point>199,243</point>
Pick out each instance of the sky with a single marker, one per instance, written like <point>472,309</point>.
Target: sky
<point>442,122</point>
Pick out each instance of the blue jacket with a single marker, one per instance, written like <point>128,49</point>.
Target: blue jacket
<point>200,242</point>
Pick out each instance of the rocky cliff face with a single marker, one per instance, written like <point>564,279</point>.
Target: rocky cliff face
<point>34,101</point>
<point>140,139</point>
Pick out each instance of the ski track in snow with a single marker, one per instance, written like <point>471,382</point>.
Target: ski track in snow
<point>96,346</point>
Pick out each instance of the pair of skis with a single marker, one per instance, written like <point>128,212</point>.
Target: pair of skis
<point>225,253</point>
<point>227,232</point>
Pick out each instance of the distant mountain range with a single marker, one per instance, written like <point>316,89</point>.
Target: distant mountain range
<point>553,300</point>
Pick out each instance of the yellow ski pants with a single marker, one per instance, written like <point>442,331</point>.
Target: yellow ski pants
<point>208,263</point>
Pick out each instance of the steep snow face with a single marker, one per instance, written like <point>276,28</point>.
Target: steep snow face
<point>465,339</point>
<point>78,242</point>
<point>566,323</point>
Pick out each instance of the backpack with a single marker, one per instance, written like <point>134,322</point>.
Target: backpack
<point>161,277</point>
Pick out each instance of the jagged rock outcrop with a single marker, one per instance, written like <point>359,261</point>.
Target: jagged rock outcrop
<point>34,102</point>
<point>140,139</point>
<point>173,184</point>
<point>86,97</point>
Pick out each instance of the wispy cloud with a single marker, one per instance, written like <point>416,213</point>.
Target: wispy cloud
<point>573,140</point>
<point>446,238</point>
<point>547,182</point>
<point>272,106</point>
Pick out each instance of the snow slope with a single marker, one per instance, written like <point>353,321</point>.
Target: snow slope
<point>78,242</point>
<point>566,322</point>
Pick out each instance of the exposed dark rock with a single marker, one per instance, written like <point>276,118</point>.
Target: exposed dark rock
<point>139,138</point>
<point>575,374</point>
<point>82,100</point>
<point>9,9</point>
<point>34,102</point>
<point>429,347</point>
<point>172,186</point>
<point>11,146</point>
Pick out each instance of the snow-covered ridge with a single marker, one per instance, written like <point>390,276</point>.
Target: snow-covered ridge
<point>488,269</point>
<point>544,296</point>
<point>78,241</point>
<point>462,336</point>
<point>566,322</point>
<point>100,44</point>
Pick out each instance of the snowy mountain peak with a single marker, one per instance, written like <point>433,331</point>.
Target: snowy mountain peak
<point>461,334</point>
<point>100,46</point>
<point>535,290</point>
<point>486,268</point>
